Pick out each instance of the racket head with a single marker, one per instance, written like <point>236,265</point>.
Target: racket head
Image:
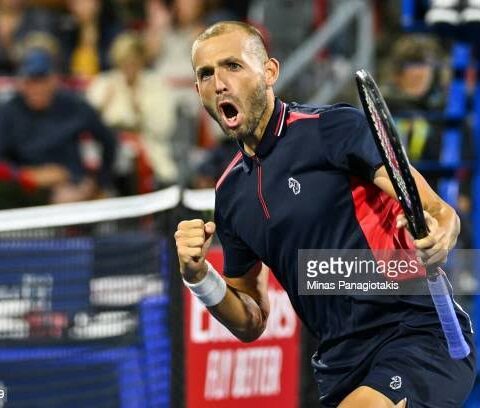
<point>392,152</point>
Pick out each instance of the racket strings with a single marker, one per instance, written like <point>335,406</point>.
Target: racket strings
<point>388,149</point>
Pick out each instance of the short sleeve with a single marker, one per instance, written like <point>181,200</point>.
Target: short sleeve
<point>349,142</point>
<point>238,257</point>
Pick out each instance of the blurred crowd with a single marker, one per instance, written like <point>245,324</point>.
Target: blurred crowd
<point>97,98</point>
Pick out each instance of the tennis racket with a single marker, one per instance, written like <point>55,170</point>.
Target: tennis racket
<point>398,168</point>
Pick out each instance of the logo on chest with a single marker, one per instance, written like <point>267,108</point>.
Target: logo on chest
<point>294,185</point>
<point>396,382</point>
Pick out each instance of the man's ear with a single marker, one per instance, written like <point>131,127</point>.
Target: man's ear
<point>272,70</point>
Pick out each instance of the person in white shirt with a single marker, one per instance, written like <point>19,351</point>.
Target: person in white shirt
<point>131,98</point>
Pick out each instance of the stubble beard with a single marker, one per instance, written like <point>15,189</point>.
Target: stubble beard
<point>257,102</point>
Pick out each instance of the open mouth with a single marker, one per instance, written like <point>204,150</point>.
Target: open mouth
<point>230,114</point>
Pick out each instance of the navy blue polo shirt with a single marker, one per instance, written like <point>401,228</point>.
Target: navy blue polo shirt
<point>309,185</point>
<point>32,138</point>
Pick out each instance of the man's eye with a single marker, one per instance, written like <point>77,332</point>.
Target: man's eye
<point>205,75</point>
<point>233,66</point>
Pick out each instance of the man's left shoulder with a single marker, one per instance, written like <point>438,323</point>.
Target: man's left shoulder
<point>340,113</point>
<point>337,108</point>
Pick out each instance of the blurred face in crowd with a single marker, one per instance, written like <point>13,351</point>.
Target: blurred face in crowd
<point>84,10</point>
<point>157,13</point>
<point>415,79</point>
<point>128,55</point>
<point>188,11</point>
<point>38,92</point>
<point>234,81</point>
<point>131,66</point>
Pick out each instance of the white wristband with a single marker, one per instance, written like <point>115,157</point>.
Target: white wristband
<point>211,289</point>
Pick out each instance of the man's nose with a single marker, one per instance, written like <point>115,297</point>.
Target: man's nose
<point>220,85</point>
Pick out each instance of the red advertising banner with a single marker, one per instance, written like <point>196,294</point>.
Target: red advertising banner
<point>221,371</point>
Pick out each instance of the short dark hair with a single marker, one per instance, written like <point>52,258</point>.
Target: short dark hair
<point>411,49</point>
<point>223,27</point>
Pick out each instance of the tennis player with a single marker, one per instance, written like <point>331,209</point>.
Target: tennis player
<point>311,177</point>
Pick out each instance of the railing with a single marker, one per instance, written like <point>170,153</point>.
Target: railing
<point>345,14</point>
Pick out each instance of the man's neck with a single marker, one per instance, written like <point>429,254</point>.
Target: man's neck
<point>250,144</point>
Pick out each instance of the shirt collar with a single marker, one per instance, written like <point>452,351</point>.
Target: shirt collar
<point>272,133</point>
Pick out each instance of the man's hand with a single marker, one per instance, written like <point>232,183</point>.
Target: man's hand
<point>433,249</point>
<point>193,238</point>
<point>47,175</point>
<point>442,220</point>
<point>86,190</point>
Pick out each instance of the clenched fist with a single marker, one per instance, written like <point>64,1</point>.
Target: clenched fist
<point>193,238</point>
<point>432,249</point>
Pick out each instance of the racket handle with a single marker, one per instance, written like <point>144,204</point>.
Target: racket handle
<point>457,346</point>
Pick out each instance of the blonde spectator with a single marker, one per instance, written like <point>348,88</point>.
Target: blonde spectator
<point>129,97</point>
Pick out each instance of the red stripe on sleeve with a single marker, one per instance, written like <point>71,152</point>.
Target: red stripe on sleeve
<point>294,116</point>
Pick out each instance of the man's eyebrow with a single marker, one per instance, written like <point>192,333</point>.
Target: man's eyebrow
<point>201,70</point>
<point>229,60</point>
<point>208,68</point>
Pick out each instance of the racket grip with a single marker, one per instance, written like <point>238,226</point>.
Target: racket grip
<point>457,346</point>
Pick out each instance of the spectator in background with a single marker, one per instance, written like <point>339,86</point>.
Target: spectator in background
<point>158,21</point>
<point>171,33</point>
<point>43,130</point>
<point>415,93</point>
<point>87,33</point>
<point>16,21</point>
<point>414,76</point>
<point>413,90</point>
<point>130,98</point>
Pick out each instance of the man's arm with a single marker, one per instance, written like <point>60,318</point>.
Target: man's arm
<point>442,220</point>
<point>244,309</point>
<point>103,134</point>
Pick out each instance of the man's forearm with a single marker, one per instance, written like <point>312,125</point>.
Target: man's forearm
<point>448,219</point>
<point>244,308</point>
<point>241,314</point>
<point>443,213</point>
